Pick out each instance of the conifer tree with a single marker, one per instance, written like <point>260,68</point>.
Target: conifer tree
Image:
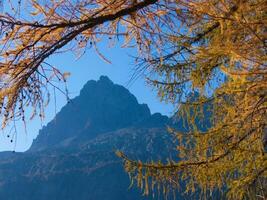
<point>223,58</point>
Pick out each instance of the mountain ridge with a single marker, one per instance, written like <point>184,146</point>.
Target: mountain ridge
<point>73,157</point>
<point>109,107</point>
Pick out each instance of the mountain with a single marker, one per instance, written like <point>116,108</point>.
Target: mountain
<point>73,156</point>
<point>102,106</point>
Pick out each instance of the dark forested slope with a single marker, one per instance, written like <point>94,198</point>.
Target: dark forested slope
<point>73,156</point>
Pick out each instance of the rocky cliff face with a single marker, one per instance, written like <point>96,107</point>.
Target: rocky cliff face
<point>73,156</point>
<point>102,106</point>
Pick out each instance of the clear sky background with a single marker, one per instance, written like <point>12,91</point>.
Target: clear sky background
<point>89,66</point>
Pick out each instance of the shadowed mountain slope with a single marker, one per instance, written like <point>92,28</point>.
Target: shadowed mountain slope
<point>73,156</point>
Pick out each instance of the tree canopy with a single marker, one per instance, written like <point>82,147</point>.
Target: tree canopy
<point>223,57</point>
<point>44,28</point>
<point>215,47</point>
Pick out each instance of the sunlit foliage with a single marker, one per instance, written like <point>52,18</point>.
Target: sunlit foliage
<point>221,54</point>
<point>31,31</point>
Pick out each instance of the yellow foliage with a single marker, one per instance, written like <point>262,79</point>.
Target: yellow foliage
<point>223,58</point>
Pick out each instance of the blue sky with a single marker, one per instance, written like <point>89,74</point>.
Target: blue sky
<point>89,66</point>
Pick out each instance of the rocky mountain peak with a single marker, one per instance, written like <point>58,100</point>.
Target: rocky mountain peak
<point>73,156</point>
<point>101,106</point>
